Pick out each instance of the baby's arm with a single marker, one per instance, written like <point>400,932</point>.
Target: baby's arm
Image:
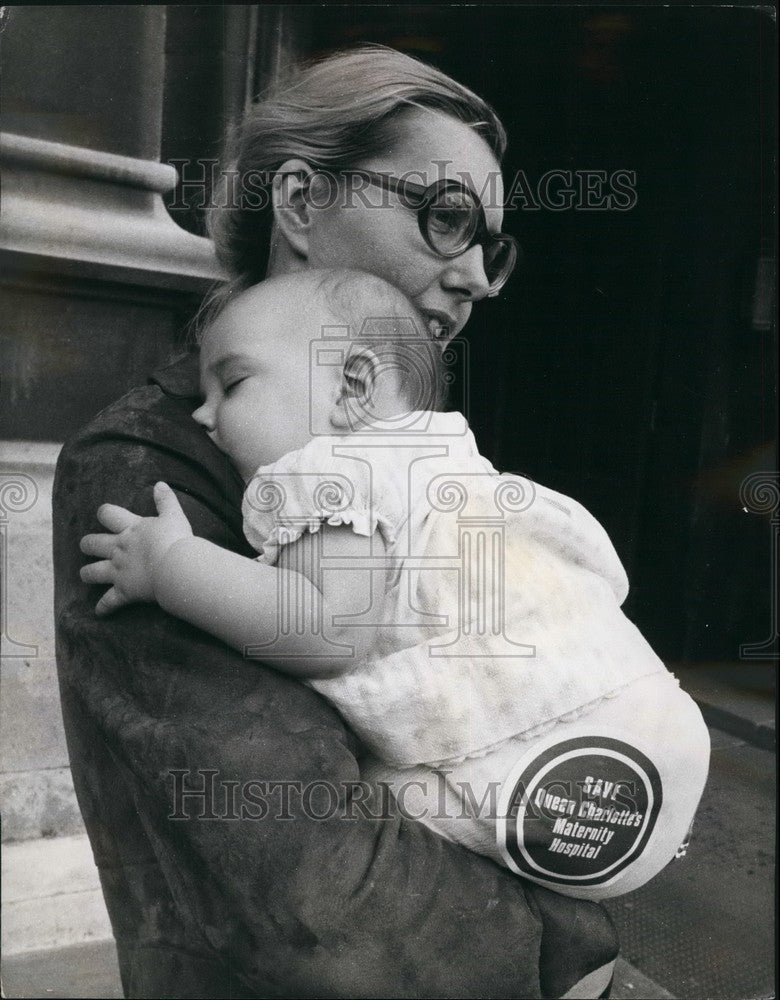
<point>234,598</point>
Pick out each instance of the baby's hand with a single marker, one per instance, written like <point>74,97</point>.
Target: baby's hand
<point>130,554</point>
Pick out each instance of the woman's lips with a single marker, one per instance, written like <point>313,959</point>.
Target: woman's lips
<point>440,325</point>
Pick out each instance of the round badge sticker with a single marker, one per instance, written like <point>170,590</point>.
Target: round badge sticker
<point>579,811</point>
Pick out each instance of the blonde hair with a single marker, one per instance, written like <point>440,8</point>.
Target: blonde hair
<point>333,114</point>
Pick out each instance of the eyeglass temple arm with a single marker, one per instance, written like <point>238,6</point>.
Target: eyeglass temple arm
<point>408,190</point>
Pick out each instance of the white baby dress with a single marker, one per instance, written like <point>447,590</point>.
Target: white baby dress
<point>509,703</point>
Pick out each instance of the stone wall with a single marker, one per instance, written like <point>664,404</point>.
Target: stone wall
<point>35,784</point>
<point>97,282</point>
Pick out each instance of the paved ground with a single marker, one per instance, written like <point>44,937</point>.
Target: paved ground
<point>87,971</point>
<point>90,971</point>
<point>704,928</point>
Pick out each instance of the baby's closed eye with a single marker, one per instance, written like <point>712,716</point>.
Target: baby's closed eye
<point>233,384</point>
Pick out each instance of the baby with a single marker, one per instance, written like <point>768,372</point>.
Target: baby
<point>465,623</point>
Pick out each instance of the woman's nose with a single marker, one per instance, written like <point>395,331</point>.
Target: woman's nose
<point>204,415</point>
<point>466,274</point>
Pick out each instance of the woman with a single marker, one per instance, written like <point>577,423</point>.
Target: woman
<point>171,734</point>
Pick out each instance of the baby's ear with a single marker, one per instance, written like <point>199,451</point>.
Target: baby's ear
<point>356,402</point>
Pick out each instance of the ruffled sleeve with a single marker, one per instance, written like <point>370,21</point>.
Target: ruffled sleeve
<point>332,480</point>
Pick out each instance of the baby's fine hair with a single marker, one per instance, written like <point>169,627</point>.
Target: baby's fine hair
<point>381,318</point>
<point>372,314</point>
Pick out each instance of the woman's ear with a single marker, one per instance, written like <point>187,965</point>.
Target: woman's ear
<point>357,399</point>
<point>292,214</point>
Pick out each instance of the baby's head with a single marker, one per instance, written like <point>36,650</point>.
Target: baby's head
<point>312,353</point>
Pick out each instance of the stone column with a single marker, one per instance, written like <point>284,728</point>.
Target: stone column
<point>83,90</point>
<point>97,281</point>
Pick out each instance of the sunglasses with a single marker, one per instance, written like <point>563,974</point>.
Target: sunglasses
<point>452,220</point>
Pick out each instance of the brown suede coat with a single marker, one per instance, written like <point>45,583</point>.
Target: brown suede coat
<point>267,907</point>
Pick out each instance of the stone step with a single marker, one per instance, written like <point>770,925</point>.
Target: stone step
<point>737,698</point>
<point>82,970</point>
<point>51,895</point>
